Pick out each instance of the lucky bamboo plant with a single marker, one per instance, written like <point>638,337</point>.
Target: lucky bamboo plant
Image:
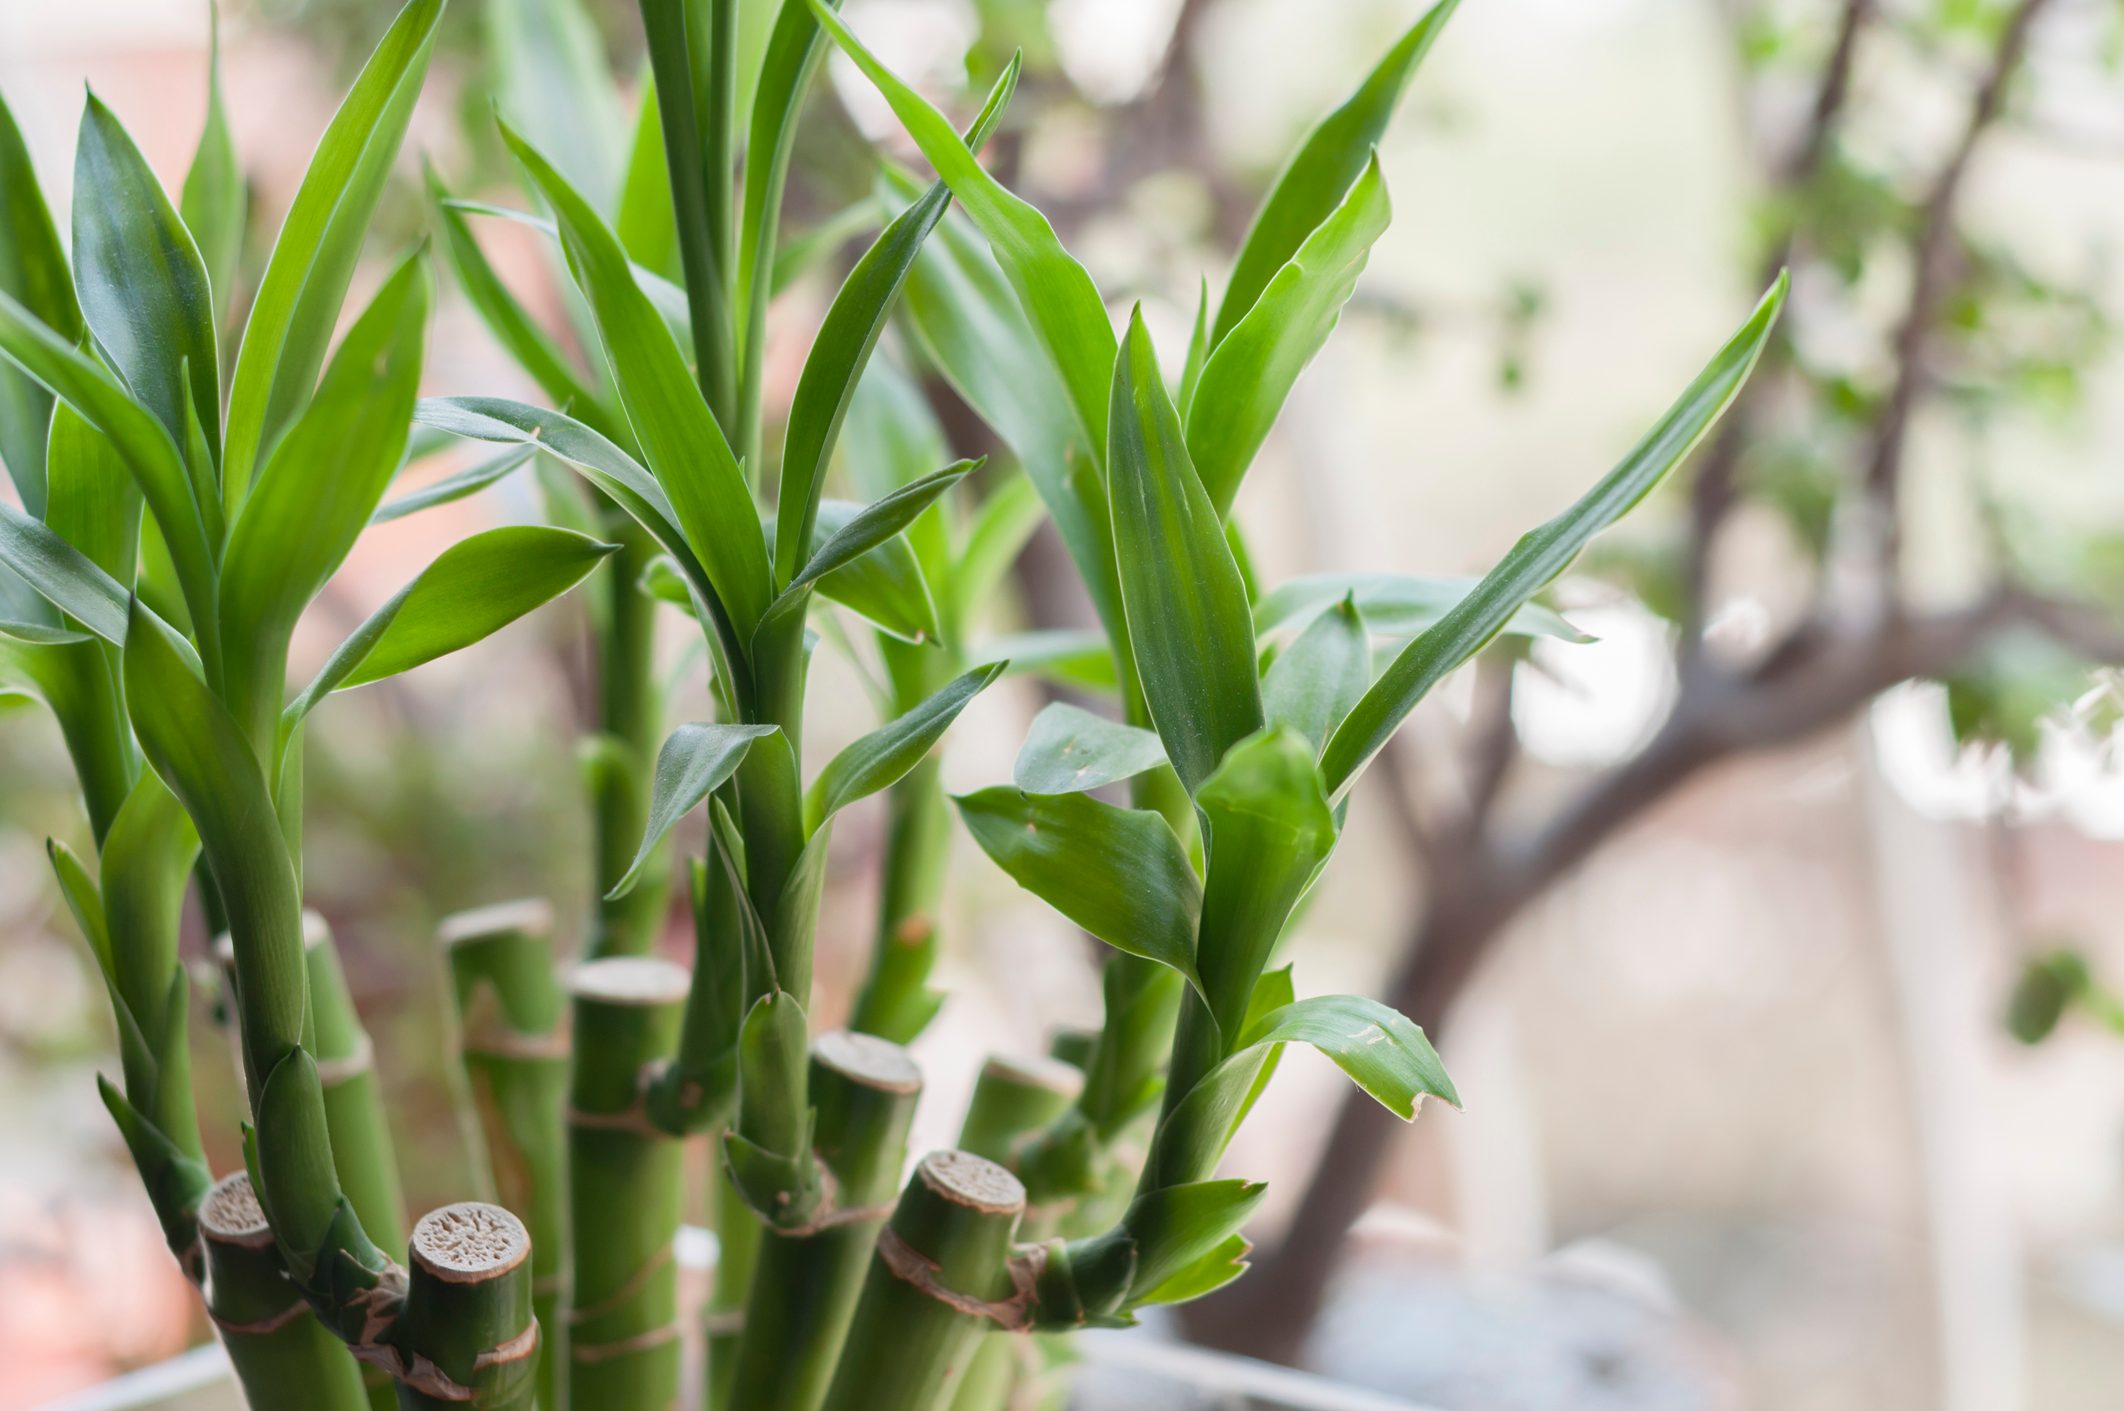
<point>161,645</point>
<point>1245,719</point>
<point>1263,744</point>
<point>808,1146</point>
<point>552,85</point>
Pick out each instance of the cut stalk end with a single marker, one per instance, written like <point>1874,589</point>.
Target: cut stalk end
<point>940,1278</point>
<point>468,1336</point>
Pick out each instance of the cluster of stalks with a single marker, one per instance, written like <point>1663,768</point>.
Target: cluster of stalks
<point>1086,1188</point>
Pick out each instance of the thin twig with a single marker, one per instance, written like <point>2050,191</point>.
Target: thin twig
<point>1934,268</point>
<point>1494,746</point>
<point>1714,491</point>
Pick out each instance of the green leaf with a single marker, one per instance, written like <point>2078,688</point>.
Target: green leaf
<point>767,1151</point>
<point>176,1180</point>
<point>316,493</point>
<point>564,438</point>
<point>1271,992</point>
<point>473,589</point>
<point>1212,1271</point>
<point>146,865</point>
<point>1539,556</point>
<point>843,347</point>
<point>1189,622</point>
<point>786,70</point>
<point>695,761</point>
<point>668,299</point>
<point>1197,353</point>
<point>684,446</point>
<point>880,758</point>
<point>33,273</point>
<point>1386,1054</point>
<point>1243,385</point>
<point>65,576</point>
<point>1070,749</point>
<point>469,481</point>
<point>534,349</point>
<point>85,901</point>
<point>39,634</point>
<point>306,277</point>
<point>1175,1226</point>
<point>1393,605</point>
<point>297,1182</point>
<point>1315,681</point>
<point>1120,873</point>
<point>91,500</point>
<point>142,285</point>
<point>1057,295</point>
<point>875,523</point>
<point>796,910</point>
<point>1266,831</point>
<point>1322,169</point>
<point>149,453</point>
<point>690,66</point>
<point>644,221</point>
<point>547,64</point>
<point>1380,1049</point>
<point>974,332</point>
<point>214,198</point>
<point>885,585</point>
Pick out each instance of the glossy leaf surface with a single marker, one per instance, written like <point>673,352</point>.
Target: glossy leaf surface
<point>305,280</point>
<point>880,758</point>
<point>1120,873</point>
<point>1189,622</point>
<point>1322,169</point>
<point>472,590</point>
<point>1070,749</point>
<point>695,761</point>
<point>143,287</point>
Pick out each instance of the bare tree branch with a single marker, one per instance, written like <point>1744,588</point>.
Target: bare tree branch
<point>1794,696</point>
<point>1495,742</point>
<point>1714,491</point>
<point>1933,258</point>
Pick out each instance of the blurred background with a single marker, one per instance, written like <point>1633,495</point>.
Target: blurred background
<point>1765,935</point>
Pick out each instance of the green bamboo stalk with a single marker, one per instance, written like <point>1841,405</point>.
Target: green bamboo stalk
<point>805,1282</point>
<point>1012,1098</point>
<point>738,1237</point>
<point>79,683</point>
<point>362,1150</point>
<point>354,1116</point>
<point>895,1001</point>
<point>467,1329</point>
<point>618,758</point>
<point>696,1091</point>
<point>285,1359</point>
<point>1080,1158</point>
<point>699,193</point>
<point>625,1188</point>
<point>940,1275</point>
<point>512,1036</point>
